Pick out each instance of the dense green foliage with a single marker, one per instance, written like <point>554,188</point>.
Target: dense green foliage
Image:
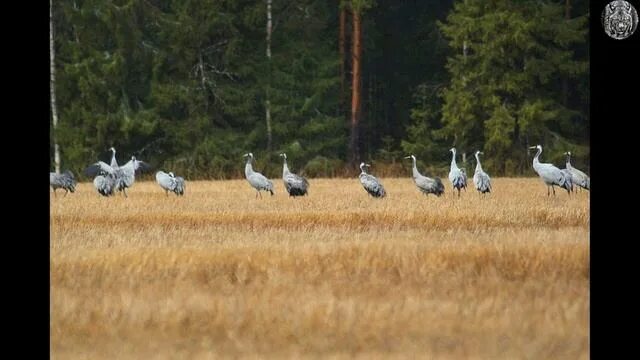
<point>182,83</point>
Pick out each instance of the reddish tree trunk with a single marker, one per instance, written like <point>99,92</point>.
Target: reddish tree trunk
<point>356,57</point>
<point>342,39</point>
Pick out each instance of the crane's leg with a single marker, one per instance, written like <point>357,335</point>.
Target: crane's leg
<point>65,192</point>
<point>554,190</point>
<point>458,192</point>
<point>548,193</point>
<point>124,191</point>
<point>54,193</point>
<point>166,192</point>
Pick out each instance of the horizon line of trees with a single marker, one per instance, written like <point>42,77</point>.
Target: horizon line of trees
<point>191,85</point>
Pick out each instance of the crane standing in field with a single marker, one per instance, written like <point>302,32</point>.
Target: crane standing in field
<point>550,175</point>
<point>456,176</point>
<point>481,179</point>
<point>425,184</point>
<point>372,185</point>
<point>296,185</point>
<point>65,181</point>
<point>577,177</point>
<point>257,180</point>
<point>170,182</point>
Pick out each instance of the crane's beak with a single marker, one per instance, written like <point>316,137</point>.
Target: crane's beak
<point>408,157</point>
<point>533,147</point>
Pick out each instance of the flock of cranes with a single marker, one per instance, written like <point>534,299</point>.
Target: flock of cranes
<point>111,178</point>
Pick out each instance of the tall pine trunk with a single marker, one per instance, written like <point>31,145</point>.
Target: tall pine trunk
<point>52,86</point>
<point>268,100</point>
<point>356,57</point>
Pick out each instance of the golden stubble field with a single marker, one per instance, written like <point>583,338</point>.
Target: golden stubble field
<point>338,274</point>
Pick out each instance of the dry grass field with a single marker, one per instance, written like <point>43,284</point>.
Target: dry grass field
<point>338,274</point>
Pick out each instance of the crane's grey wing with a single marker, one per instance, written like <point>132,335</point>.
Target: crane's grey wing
<point>482,182</point>
<point>165,181</point>
<point>372,185</point>
<point>180,185</point>
<point>69,181</point>
<point>69,174</point>
<point>428,185</point>
<point>579,178</point>
<point>104,184</point>
<point>142,166</point>
<point>549,174</point>
<point>458,180</point>
<point>56,181</point>
<point>566,182</point>
<point>97,168</point>
<point>260,182</point>
<point>296,184</point>
<point>439,186</point>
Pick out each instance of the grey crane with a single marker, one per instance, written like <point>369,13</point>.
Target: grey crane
<point>577,177</point>
<point>124,176</point>
<point>296,185</point>
<point>550,175</point>
<point>372,185</point>
<point>170,182</point>
<point>65,181</point>
<point>457,177</point>
<point>257,180</point>
<point>105,184</point>
<point>425,184</point>
<point>481,179</point>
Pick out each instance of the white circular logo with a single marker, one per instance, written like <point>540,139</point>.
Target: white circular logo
<point>619,19</point>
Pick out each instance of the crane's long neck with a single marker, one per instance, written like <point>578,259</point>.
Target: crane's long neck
<point>415,168</point>
<point>362,170</point>
<point>114,163</point>
<point>248,169</point>
<point>285,168</point>
<point>536,162</point>
<point>453,160</point>
<point>478,166</point>
<point>568,166</point>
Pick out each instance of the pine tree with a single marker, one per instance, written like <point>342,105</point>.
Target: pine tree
<point>505,92</point>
